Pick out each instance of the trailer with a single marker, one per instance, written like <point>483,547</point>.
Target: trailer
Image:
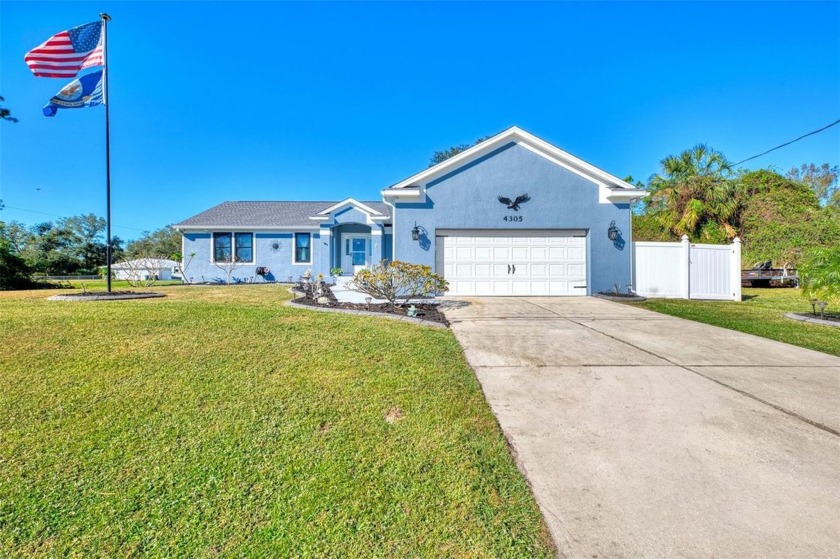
<point>763,274</point>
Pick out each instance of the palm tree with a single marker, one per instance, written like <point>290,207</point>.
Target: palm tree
<point>693,194</point>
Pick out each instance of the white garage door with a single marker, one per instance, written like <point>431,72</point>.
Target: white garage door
<point>504,262</point>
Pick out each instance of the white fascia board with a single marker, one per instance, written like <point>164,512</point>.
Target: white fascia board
<point>246,229</point>
<point>319,218</point>
<point>350,202</point>
<point>379,217</point>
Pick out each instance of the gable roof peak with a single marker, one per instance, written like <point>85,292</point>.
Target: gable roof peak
<point>524,139</point>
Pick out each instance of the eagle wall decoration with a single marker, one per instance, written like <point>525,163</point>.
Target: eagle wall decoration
<point>514,204</point>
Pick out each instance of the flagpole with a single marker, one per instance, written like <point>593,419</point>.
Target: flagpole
<point>107,102</point>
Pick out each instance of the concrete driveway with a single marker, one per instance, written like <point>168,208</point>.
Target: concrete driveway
<point>644,435</point>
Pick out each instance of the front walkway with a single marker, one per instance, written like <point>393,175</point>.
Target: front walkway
<point>645,435</point>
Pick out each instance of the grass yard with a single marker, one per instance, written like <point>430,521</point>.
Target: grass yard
<point>218,422</point>
<point>116,285</point>
<point>761,313</point>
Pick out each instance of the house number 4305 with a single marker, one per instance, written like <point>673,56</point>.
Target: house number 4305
<point>512,218</point>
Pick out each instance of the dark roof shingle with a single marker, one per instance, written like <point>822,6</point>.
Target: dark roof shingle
<point>266,214</point>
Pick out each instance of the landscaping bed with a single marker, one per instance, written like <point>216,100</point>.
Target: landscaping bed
<point>424,311</point>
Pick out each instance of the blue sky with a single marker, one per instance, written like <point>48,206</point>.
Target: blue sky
<point>215,101</point>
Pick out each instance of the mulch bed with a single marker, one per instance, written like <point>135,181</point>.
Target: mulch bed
<point>425,311</point>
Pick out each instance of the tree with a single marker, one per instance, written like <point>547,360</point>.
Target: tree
<point>16,234</point>
<point>395,279</point>
<point>145,271</point>
<point>160,241</point>
<point>14,273</point>
<point>68,246</point>
<point>228,267</point>
<point>87,243</point>
<point>779,218</point>
<point>693,195</point>
<point>6,114</point>
<point>441,156</point>
<point>822,180</point>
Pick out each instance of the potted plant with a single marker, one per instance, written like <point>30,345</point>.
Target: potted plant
<point>336,273</point>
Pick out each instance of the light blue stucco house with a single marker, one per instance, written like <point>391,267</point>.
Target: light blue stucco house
<point>513,215</point>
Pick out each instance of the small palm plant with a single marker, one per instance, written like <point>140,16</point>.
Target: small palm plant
<point>820,274</point>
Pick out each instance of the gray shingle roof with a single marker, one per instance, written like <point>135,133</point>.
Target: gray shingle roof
<point>266,214</point>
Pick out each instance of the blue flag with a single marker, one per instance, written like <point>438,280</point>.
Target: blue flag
<point>83,92</point>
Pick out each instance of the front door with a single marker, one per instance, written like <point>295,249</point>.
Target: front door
<point>356,255</point>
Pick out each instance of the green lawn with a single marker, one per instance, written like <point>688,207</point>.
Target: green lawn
<point>121,285</point>
<point>761,313</point>
<point>218,422</point>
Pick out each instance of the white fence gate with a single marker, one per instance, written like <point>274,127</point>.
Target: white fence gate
<point>688,271</point>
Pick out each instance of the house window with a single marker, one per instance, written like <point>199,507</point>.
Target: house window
<point>240,245</point>
<point>303,248</point>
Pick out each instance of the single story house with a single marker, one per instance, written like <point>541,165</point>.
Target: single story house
<point>513,215</point>
<point>142,269</point>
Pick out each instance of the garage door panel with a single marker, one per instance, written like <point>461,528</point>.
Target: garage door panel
<point>558,253</point>
<point>501,253</point>
<point>483,253</point>
<point>465,270</point>
<point>507,262</point>
<point>483,270</point>
<point>500,270</point>
<point>558,287</point>
<point>520,254</point>
<point>539,253</point>
<point>500,288</point>
<point>538,270</point>
<point>576,253</point>
<point>576,270</point>
<point>464,253</point>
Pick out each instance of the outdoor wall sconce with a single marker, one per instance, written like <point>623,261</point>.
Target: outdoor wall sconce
<point>613,232</point>
<point>415,233</point>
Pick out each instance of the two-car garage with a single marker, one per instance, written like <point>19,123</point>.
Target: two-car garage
<point>508,262</point>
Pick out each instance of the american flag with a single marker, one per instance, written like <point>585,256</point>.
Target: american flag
<point>64,54</point>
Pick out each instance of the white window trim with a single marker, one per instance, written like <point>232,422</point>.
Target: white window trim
<point>311,248</point>
<point>232,247</point>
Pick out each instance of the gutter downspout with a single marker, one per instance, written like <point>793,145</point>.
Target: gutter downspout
<point>633,246</point>
<point>393,228</point>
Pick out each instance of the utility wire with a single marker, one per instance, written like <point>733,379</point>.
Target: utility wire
<point>62,216</point>
<point>787,143</point>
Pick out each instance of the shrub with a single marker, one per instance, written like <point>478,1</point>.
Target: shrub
<point>399,280</point>
<point>820,274</point>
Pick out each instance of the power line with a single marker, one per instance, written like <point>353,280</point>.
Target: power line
<point>56,215</point>
<point>787,143</point>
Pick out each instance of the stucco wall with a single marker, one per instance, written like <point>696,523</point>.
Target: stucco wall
<point>279,261</point>
<point>560,199</point>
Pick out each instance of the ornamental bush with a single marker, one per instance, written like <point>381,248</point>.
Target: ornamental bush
<point>820,274</point>
<point>396,280</point>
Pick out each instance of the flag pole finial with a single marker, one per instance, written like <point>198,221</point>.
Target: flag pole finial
<point>105,16</point>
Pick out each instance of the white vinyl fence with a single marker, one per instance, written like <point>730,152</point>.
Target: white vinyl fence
<point>688,271</point>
